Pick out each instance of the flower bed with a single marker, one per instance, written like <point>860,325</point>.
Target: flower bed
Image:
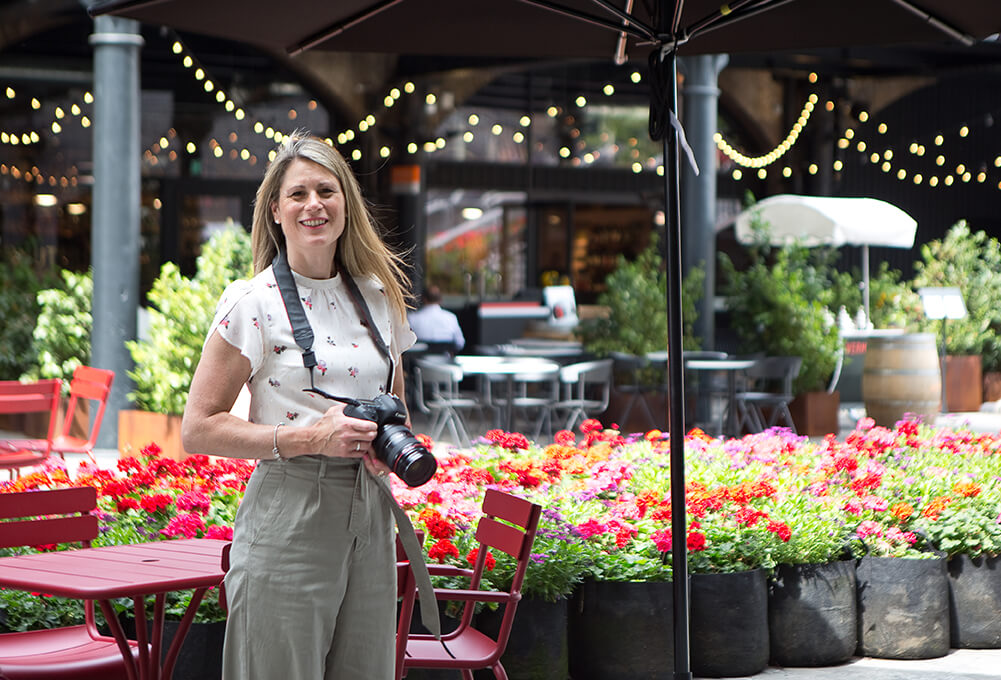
<point>756,502</point>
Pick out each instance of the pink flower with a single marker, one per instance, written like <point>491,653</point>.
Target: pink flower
<point>868,528</point>
<point>897,536</point>
<point>219,531</point>
<point>194,500</point>
<point>186,524</point>
<point>853,506</point>
<point>875,503</point>
<point>662,539</point>
<point>590,528</point>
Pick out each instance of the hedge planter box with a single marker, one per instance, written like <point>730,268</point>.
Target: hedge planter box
<point>975,602</point>
<point>537,648</point>
<point>815,413</point>
<point>729,624</point>
<point>138,429</point>
<point>812,614</point>
<point>903,607</point>
<point>622,631</point>
<point>964,383</point>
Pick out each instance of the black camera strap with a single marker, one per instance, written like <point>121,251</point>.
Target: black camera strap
<point>303,332</point>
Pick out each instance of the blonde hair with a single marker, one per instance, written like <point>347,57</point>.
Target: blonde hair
<point>360,249</point>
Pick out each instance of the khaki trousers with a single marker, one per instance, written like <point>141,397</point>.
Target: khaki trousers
<point>312,583</point>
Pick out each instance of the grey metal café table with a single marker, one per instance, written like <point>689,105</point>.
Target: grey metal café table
<point>731,367</point>
<point>509,369</point>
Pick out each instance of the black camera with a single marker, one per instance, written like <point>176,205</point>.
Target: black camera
<point>395,445</point>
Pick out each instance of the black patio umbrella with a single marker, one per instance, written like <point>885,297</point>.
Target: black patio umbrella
<point>589,29</point>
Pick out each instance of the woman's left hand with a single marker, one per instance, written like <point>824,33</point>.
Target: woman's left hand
<point>375,466</point>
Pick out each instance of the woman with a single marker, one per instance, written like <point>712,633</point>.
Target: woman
<point>311,588</point>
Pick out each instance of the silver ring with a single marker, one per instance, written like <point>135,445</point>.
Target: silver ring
<point>357,446</point>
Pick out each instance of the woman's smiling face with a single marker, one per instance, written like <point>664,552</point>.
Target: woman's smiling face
<point>310,210</point>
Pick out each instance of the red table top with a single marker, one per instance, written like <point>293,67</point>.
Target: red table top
<point>117,571</point>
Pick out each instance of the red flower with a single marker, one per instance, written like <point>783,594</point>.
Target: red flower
<point>489,560</point>
<point>442,550</point>
<point>590,425</point>
<point>749,516</point>
<point>155,502</point>
<point>434,497</point>
<point>508,440</point>
<point>116,487</point>
<point>438,527</point>
<point>128,503</point>
<point>781,529</point>
<point>696,541</point>
<point>565,438</point>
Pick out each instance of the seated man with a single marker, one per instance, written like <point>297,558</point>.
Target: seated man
<point>434,325</point>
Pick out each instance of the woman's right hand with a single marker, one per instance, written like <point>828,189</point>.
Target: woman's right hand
<point>341,436</point>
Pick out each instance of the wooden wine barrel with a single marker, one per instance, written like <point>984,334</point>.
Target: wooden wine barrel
<point>901,375</point>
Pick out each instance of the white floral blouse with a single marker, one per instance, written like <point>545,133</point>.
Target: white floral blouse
<point>251,316</point>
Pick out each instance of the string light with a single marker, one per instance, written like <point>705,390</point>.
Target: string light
<point>780,150</point>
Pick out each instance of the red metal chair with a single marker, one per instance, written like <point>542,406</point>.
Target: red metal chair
<point>92,385</point>
<point>33,397</point>
<point>79,652</point>
<point>508,524</point>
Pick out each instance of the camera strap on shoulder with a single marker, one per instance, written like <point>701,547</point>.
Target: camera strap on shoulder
<point>303,332</point>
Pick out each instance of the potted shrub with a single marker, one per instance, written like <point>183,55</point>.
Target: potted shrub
<point>179,317</point>
<point>636,321</point>
<point>780,308</point>
<point>970,261</point>
<point>20,281</point>
<point>61,339</point>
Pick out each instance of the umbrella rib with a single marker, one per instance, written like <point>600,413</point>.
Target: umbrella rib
<point>339,27</point>
<point>108,6</point>
<point>630,24</point>
<point>936,23</point>
<point>730,14</point>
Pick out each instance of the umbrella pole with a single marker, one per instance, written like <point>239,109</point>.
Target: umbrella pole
<point>865,285</point>
<point>676,384</point>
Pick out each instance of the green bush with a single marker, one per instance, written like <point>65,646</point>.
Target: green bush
<point>636,298</point>
<point>179,320</point>
<point>781,309</point>
<point>20,282</point>
<point>62,332</point>
<point>970,261</point>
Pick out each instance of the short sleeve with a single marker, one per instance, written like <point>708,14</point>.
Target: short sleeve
<point>403,337</point>
<point>240,323</point>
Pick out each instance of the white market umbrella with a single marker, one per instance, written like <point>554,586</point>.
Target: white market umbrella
<point>834,221</point>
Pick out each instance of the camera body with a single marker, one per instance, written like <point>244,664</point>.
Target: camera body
<point>394,444</point>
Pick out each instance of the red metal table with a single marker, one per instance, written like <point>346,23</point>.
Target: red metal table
<point>132,571</point>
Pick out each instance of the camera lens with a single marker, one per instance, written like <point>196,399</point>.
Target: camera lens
<point>405,455</point>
